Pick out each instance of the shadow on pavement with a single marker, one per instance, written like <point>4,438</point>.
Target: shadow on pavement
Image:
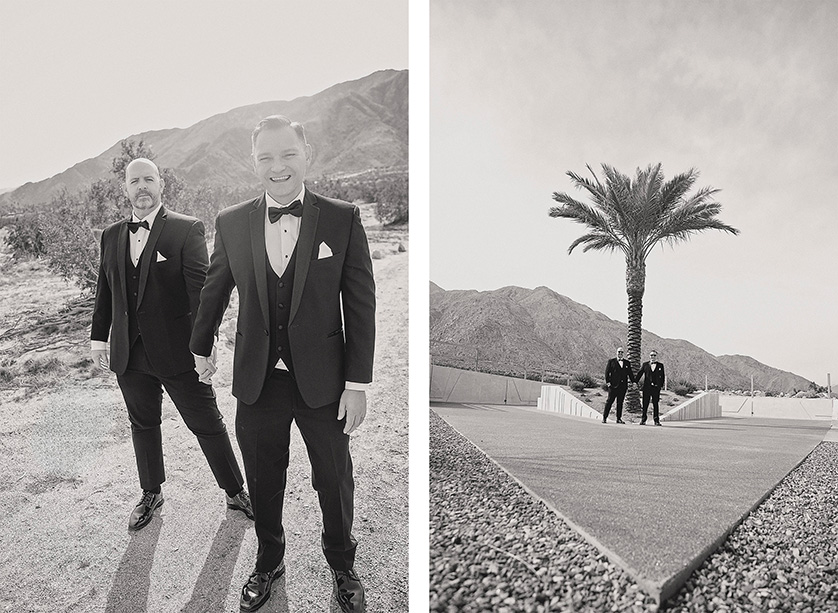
<point>213,583</point>
<point>129,591</point>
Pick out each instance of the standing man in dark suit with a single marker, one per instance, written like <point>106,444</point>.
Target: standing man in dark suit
<point>618,373</point>
<point>305,337</point>
<point>150,277</point>
<point>653,381</point>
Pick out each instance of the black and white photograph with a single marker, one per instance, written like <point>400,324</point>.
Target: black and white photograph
<point>204,238</point>
<point>632,336</point>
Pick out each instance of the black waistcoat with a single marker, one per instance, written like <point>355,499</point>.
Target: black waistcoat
<point>132,284</point>
<point>279,307</point>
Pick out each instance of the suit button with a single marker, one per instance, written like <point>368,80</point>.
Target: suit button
<point>280,305</point>
<point>281,284</point>
<point>266,333</point>
<point>279,349</point>
<point>280,327</point>
<point>135,293</point>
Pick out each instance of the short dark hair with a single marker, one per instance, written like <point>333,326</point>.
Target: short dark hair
<point>277,122</point>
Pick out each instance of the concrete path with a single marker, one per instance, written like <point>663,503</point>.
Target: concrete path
<point>656,500</point>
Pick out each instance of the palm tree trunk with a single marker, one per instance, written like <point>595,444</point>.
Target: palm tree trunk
<point>635,287</point>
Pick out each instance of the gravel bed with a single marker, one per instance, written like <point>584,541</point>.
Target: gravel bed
<point>493,547</point>
<point>784,556</point>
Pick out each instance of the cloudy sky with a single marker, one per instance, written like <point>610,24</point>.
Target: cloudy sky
<point>76,77</point>
<point>745,92</point>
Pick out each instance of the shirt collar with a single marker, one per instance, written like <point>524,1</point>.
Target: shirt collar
<point>150,217</point>
<point>271,202</point>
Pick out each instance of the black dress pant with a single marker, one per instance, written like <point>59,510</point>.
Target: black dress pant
<point>263,430</point>
<point>142,389</point>
<point>615,393</point>
<point>653,394</point>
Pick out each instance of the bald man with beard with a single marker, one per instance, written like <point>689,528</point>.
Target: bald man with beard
<point>151,273</point>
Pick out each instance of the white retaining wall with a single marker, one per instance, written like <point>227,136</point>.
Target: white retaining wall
<point>555,399</point>
<point>704,406</point>
<point>456,385</point>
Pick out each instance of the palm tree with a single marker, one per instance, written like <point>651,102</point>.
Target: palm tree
<point>633,216</point>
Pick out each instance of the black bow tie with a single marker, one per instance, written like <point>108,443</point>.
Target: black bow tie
<point>275,212</point>
<point>136,225</point>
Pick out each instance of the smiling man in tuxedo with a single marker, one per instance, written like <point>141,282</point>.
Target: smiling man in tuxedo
<point>305,337</point>
<point>654,378</point>
<point>151,272</point>
<point>618,373</point>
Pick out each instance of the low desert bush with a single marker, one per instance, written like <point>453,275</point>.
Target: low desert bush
<point>577,386</point>
<point>587,380</point>
<point>683,388</point>
<point>25,238</point>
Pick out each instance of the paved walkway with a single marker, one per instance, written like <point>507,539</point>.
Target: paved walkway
<point>656,500</point>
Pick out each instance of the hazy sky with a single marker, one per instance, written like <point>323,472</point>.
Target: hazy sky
<point>78,76</point>
<point>746,92</point>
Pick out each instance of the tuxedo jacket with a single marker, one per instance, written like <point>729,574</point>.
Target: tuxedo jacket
<point>171,272</point>
<point>651,380</point>
<point>616,376</point>
<point>331,327</point>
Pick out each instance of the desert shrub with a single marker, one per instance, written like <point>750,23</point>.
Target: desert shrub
<point>388,188</point>
<point>587,380</point>
<point>71,247</point>
<point>683,387</point>
<point>577,386</point>
<point>392,199</point>
<point>25,238</point>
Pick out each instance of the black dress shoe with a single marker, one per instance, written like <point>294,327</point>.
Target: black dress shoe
<point>257,590</point>
<point>241,502</point>
<point>350,592</point>
<point>620,421</point>
<point>604,421</point>
<point>643,423</point>
<point>144,510</point>
<point>657,423</point>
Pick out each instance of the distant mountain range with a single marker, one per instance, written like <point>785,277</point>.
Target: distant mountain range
<point>540,328</point>
<point>352,127</point>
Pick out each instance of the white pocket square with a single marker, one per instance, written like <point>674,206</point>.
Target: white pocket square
<point>324,251</point>
<point>161,257</point>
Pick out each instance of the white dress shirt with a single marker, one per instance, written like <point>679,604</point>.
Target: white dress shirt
<point>136,243</point>
<point>280,241</point>
<point>281,237</point>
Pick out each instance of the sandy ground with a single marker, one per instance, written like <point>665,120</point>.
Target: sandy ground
<point>68,479</point>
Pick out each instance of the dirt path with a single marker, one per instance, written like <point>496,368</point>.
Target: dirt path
<point>68,482</point>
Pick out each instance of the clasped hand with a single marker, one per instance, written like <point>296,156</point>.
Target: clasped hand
<point>206,366</point>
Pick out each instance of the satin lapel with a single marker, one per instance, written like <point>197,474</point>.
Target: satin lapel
<point>149,250</point>
<point>305,243</point>
<point>122,255</point>
<point>257,244</point>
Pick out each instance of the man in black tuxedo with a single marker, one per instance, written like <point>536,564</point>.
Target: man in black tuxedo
<point>305,337</point>
<point>618,373</point>
<point>151,272</point>
<point>654,378</point>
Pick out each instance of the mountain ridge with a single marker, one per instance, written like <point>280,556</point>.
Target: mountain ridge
<point>534,329</point>
<point>352,126</point>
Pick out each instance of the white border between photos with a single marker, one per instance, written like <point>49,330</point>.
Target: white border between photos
<point>419,99</point>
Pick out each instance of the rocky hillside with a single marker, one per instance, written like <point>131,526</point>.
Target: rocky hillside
<point>352,126</point>
<point>512,328</point>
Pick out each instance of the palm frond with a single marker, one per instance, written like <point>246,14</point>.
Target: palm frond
<point>633,214</point>
<point>596,241</point>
